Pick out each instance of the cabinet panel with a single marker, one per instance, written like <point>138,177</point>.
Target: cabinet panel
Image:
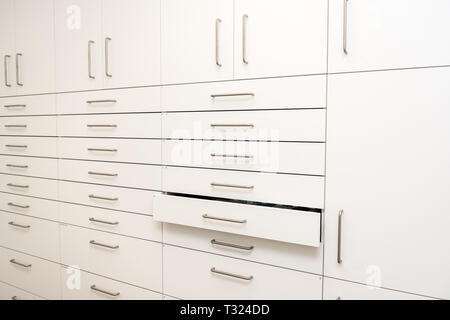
<point>8,292</point>
<point>7,48</point>
<point>387,168</point>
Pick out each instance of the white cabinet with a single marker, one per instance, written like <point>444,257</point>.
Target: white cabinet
<point>280,38</point>
<point>385,34</point>
<point>387,169</point>
<point>7,48</point>
<point>107,44</point>
<point>197,40</point>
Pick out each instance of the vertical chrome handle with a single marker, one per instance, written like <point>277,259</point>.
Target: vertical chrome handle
<point>107,40</point>
<point>18,80</point>
<point>90,43</point>
<point>244,39</point>
<point>344,33</point>
<point>6,70</point>
<point>218,21</point>
<point>339,249</point>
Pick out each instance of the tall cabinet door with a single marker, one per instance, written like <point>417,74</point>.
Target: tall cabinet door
<point>35,46</point>
<point>79,56</point>
<point>131,40</point>
<point>280,37</point>
<point>197,40</point>
<point>388,180</point>
<point>386,34</point>
<point>7,48</point>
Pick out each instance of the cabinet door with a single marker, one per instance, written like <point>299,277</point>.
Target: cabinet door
<point>386,34</point>
<point>35,46</point>
<point>197,40</point>
<point>388,170</point>
<point>7,48</point>
<point>79,57</point>
<point>131,31</point>
<point>280,37</point>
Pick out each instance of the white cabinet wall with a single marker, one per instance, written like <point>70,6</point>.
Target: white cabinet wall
<point>7,48</point>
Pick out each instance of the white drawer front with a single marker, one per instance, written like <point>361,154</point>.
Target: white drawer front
<point>8,292</point>
<point>283,157</point>
<point>29,146</point>
<point>198,277</point>
<point>28,105</point>
<point>28,166</point>
<point>30,206</point>
<point>123,199</point>
<point>297,190</point>
<point>134,225</point>
<point>36,187</point>
<point>110,101</point>
<point>114,126</point>
<point>30,235</point>
<point>32,274</point>
<point>281,93</point>
<point>115,174</point>
<point>134,261</point>
<point>28,126</point>
<point>117,150</point>
<point>275,253</point>
<point>93,287</point>
<point>283,125</point>
<point>285,225</point>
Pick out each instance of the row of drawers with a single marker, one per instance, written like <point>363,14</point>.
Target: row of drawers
<point>280,93</point>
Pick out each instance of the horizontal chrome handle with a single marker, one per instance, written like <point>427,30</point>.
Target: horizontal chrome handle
<point>95,243</point>
<point>92,173</point>
<point>15,125</point>
<point>224,95</point>
<point>12,204</point>
<point>231,245</point>
<point>104,222</point>
<point>22,186</point>
<point>101,101</point>
<point>226,125</point>
<point>205,216</point>
<point>22,146</point>
<point>213,184</point>
<point>101,125</point>
<point>15,106</point>
<point>25,265</point>
<point>12,223</point>
<point>231,156</point>
<point>102,198</point>
<point>102,150</point>
<point>233,275</point>
<point>112,294</point>
<point>17,166</point>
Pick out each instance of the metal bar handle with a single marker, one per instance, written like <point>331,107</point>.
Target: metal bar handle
<point>218,21</point>
<point>93,173</point>
<point>224,95</point>
<point>16,166</point>
<point>12,223</point>
<point>23,186</point>
<point>229,125</point>
<point>15,106</point>
<point>15,298</point>
<point>23,146</point>
<point>12,204</point>
<point>18,80</point>
<point>112,294</point>
<point>6,64</point>
<point>233,275</point>
<point>90,74</point>
<point>339,249</point>
<point>101,125</point>
<point>205,216</point>
<point>115,223</point>
<point>344,33</point>
<point>244,38</point>
<point>102,198</point>
<point>25,265</point>
<point>107,41</point>
<point>95,243</point>
<point>214,184</point>
<point>15,126</point>
<point>231,156</point>
<point>231,245</point>
<point>101,101</point>
<point>102,150</point>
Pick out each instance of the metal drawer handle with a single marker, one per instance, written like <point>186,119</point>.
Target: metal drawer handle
<point>12,223</point>
<point>205,216</point>
<point>102,174</point>
<point>231,156</point>
<point>224,95</point>
<point>104,222</point>
<point>25,265</point>
<point>15,125</point>
<point>15,106</point>
<point>16,166</point>
<point>22,146</point>
<point>101,101</point>
<point>7,83</point>
<point>112,294</point>
<point>231,245</point>
<point>18,58</point>
<point>244,38</point>
<point>344,33</point>
<point>15,298</point>
<point>101,125</point>
<point>214,184</point>
<point>95,243</point>
<point>218,21</point>
<point>90,43</point>
<point>107,41</point>
<point>102,150</point>
<point>22,186</point>
<point>12,204</point>
<point>102,198</point>
<point>229,125</point>
<point>339,249</point>
<point>233,275</point>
